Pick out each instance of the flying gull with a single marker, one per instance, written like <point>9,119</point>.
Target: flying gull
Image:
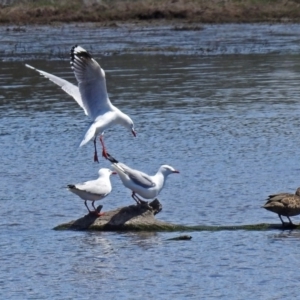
<point>91,95</point>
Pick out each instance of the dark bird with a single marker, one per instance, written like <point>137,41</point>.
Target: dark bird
<point>284,204</point>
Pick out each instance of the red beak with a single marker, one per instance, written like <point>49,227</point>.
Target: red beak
<point>114,173</point>
<point>133,132</point>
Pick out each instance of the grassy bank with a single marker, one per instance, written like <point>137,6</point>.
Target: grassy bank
<point>198,11</point>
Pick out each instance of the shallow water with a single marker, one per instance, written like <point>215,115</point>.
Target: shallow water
<point>229,123</point>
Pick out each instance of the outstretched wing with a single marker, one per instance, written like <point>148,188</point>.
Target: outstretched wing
<point>67,86</point>
<point>91,82</point>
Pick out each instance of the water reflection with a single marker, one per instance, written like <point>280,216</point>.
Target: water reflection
<point>286,234</point>
<point>143,239</point>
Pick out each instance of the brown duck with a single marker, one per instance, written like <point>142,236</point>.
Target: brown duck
<point>284,204</point>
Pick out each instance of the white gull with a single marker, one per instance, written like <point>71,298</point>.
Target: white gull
<point>91,95</point>
<point>94,190</point>
<point>140,183</point>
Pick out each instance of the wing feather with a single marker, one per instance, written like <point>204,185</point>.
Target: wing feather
<point>91,82</point>
<point>67,86</point>
<point>136,176</point>
<point>94,187</point>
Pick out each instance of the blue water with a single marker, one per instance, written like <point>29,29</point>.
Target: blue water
<point>229,123</point>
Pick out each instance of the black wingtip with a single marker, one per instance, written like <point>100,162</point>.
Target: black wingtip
<point>79,52</point>
<point>72,55</point>
<point>71,186</point>
<point>111,159</point>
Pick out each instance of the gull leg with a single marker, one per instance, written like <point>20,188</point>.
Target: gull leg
<point>134,198</point>
<point>137,199</point>
<point>87,207</point>
<point>94,205</point>
<point>95,153</point>
<point>96,212</point>
<point>104,153</point>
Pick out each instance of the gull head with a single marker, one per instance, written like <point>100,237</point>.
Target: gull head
<point>131,126</point>
<point>133,131</point>
<point>105,172</point>
<point>167,170</point>
<point>126,121</point>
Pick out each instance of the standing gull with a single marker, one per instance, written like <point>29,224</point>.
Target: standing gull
<point>284,204</point>
<point>140,183</point>
<point>91,95</point>
<point>94,190</point>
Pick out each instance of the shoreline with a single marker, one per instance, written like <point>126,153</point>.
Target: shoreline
<point>143,13</point>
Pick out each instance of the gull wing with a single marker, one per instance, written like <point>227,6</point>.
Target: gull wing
<point>136,176</point>
<point>94,187</point>
<point>67,86</point>
<point>91,82</point>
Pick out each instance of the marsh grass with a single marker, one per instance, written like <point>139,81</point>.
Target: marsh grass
<point>199,11</point>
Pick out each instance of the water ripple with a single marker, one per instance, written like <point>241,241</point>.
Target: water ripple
<point>230,124</point>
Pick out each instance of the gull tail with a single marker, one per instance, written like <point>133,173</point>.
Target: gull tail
<point>118,168</point>
<point>89,135</point>
<point>111,159</point>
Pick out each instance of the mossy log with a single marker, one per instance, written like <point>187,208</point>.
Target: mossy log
<point>133,217</point>
<point>142,218</point>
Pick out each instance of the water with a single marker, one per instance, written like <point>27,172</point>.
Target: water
<point>20,43</point>
<point>229,123</point>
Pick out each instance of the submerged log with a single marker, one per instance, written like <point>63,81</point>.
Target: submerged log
<point>181,238</point>
<point>142,218</point>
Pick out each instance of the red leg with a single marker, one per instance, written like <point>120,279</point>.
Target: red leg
<point>87,206</point>
<point>99,214</point>
<point>104,153</point>
<point>95,212</point>
<point>95,153</point>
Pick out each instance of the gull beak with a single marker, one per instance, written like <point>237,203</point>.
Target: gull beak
<point>176,171</point>
<point>133,132</point>
<point>114,173</point>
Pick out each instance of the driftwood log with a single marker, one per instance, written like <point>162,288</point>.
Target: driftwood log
<point>142,218</point>
<point>133,217</point>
